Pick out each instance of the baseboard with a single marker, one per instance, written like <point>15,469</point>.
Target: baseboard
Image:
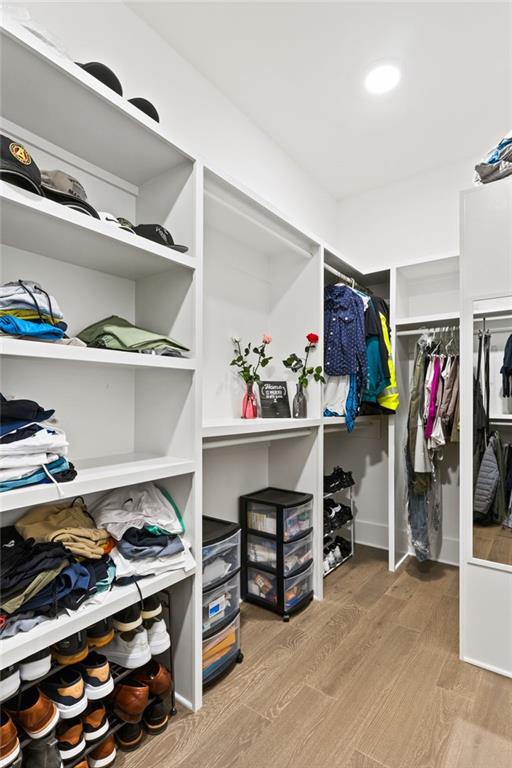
<point>184,702</point>
<point>488,667</point>
<point>372,534</point>
<point>449,553</point>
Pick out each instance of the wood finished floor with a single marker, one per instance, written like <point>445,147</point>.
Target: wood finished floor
<point>368,678</point>
<point>493,542</point>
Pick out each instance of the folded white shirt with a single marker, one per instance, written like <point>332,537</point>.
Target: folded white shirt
<point>152,566</point>
<point>49,439</point>
<point>26,460</point>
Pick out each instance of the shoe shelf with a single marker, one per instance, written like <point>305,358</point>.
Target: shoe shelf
<point>22,645</point>
<point>91,356</point>
<point>120,138</point>
<point>350,524</point>
<point>100,474</point>
<point>335,567</point>
<point>33,223</point>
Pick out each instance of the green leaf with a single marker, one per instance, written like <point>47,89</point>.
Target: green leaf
<point>318,369</point>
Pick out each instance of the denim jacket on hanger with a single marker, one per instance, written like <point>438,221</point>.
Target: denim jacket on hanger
<point>345,341</point>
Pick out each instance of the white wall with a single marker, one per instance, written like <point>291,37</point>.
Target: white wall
<point>197,115</point>
<point>413,220</point>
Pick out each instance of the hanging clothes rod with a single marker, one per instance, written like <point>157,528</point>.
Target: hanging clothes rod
<point>424,329</point>
<point>494,331</point>
<point>348,280</point>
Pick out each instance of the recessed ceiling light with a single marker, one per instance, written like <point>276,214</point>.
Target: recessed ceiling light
<point>382,79</point>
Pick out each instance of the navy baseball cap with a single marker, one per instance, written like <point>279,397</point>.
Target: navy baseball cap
<point>17,166</point>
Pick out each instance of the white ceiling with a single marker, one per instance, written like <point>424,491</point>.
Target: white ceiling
<point>297,70</point>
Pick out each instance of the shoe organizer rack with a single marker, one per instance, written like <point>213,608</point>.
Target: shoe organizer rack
<point>330,536</point>
<point>277,550</point>
<point>118,673</point>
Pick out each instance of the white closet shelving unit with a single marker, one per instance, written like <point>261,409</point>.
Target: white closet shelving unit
<point>128,418</point>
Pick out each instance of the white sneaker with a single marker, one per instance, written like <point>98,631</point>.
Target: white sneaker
<point>129,649</point>
<point>37,665</point>
<point>158,636</point>
<point>9,682</point>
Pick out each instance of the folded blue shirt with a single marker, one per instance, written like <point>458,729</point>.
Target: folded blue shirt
<point>37,477</point>
<point>17,326</point>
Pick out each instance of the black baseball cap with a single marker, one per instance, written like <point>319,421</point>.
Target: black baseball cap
<point>159,234</point>
<point>145,106</point>
<point>102,73</point>
<point>17,166</point>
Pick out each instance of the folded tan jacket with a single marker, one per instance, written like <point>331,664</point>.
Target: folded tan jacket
<point>68,523</point>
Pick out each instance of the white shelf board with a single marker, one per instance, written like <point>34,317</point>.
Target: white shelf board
<point>227,427</point>
<point>99,474</point>
<point>10,347</point>
<point>33,223</point>
<point>14,649</point>
<point>339,421</point>
<point>435,320</point>
<point>89,120</point>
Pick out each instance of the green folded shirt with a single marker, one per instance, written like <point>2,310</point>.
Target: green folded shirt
<point>116,333</point>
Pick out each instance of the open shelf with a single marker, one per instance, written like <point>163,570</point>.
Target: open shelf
<point>93,356</point>
<point>24,644</point>
<point>228,427</point>
<point>427,321</point>
<point>99,474</point>
<point>96,124</point>
<point>427,292</point>
<point>33,223</point>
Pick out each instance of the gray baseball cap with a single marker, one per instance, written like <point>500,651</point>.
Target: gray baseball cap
<point>62,188</point>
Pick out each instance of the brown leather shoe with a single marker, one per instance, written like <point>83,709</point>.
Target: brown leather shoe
<point>94,721</point>
<point>9,742</point>
<point>130,699</point>
<point>70,738</point>
<point>156,677</point>
<point>104,754</point>
<point>37,715</point>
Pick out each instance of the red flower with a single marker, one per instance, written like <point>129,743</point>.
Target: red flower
<point>312,338</point>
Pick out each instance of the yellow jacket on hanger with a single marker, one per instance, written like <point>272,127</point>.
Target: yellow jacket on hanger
<point>389,397</point>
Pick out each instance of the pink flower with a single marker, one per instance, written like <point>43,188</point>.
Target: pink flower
<point>312,338</point>
<point>267,339</point>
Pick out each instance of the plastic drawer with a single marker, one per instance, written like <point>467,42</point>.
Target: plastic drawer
<point>261,551</point>
<point>297,554</point>
<point>221,603</point>
<point>262,585</point>
<point>219,649</point>
<point>221,559</point>
<point>261,517</point>
<point>297,588</point>
<point>297,520</point>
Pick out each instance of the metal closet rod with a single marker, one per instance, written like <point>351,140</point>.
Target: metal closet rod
<point>348,280</point>
<point>426,329</point>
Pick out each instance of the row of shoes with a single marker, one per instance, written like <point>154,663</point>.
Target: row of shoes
<point>335,552</point>
<point>338,480</point>
<point>336,514</point>
<point>70,699</point>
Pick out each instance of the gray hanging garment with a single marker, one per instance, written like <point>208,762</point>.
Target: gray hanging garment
<point>486,485</point>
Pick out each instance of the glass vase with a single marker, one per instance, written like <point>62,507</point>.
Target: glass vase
<point>249,403</point>
<point>300,403</point>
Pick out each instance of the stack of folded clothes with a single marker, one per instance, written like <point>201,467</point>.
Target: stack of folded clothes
<point>53,559</point>
<point>497,164</point>
<point>28,311</point>
<point>148,528</point>
<point>116,333</point>
<point>32,451</point>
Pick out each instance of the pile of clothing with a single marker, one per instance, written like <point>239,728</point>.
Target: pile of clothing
<point>358,362</point>
<point>28,311</point>
<point>148,529</point>
<point>497,164</point>
<point>32,450</point>
<point>433,422</point>
<point>57,556</point>
<point>53,559</point>
<point>119,334</point>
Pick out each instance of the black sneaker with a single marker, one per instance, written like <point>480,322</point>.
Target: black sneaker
<point>338,480</point>
<point>344,545</point>
<point>151,607</point>
<point>156,716</point>
<point>129,619</point>
<point>129,737</point>
<point>72,649</point>
<point>100,634</point>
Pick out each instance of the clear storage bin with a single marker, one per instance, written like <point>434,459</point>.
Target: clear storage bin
<point>261,551</point>
<point>297,554</point>
<point>297,520</point>
<point>262,585</point>
<point>221,559</point>
<point>297,588</point>
<point>261,517</point>
<point>221,603</point>
<point>221,649</point>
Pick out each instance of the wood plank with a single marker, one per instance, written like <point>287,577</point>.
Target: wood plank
<point>459,677</point>
<point>442,631</point>
<point>363,761</point>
